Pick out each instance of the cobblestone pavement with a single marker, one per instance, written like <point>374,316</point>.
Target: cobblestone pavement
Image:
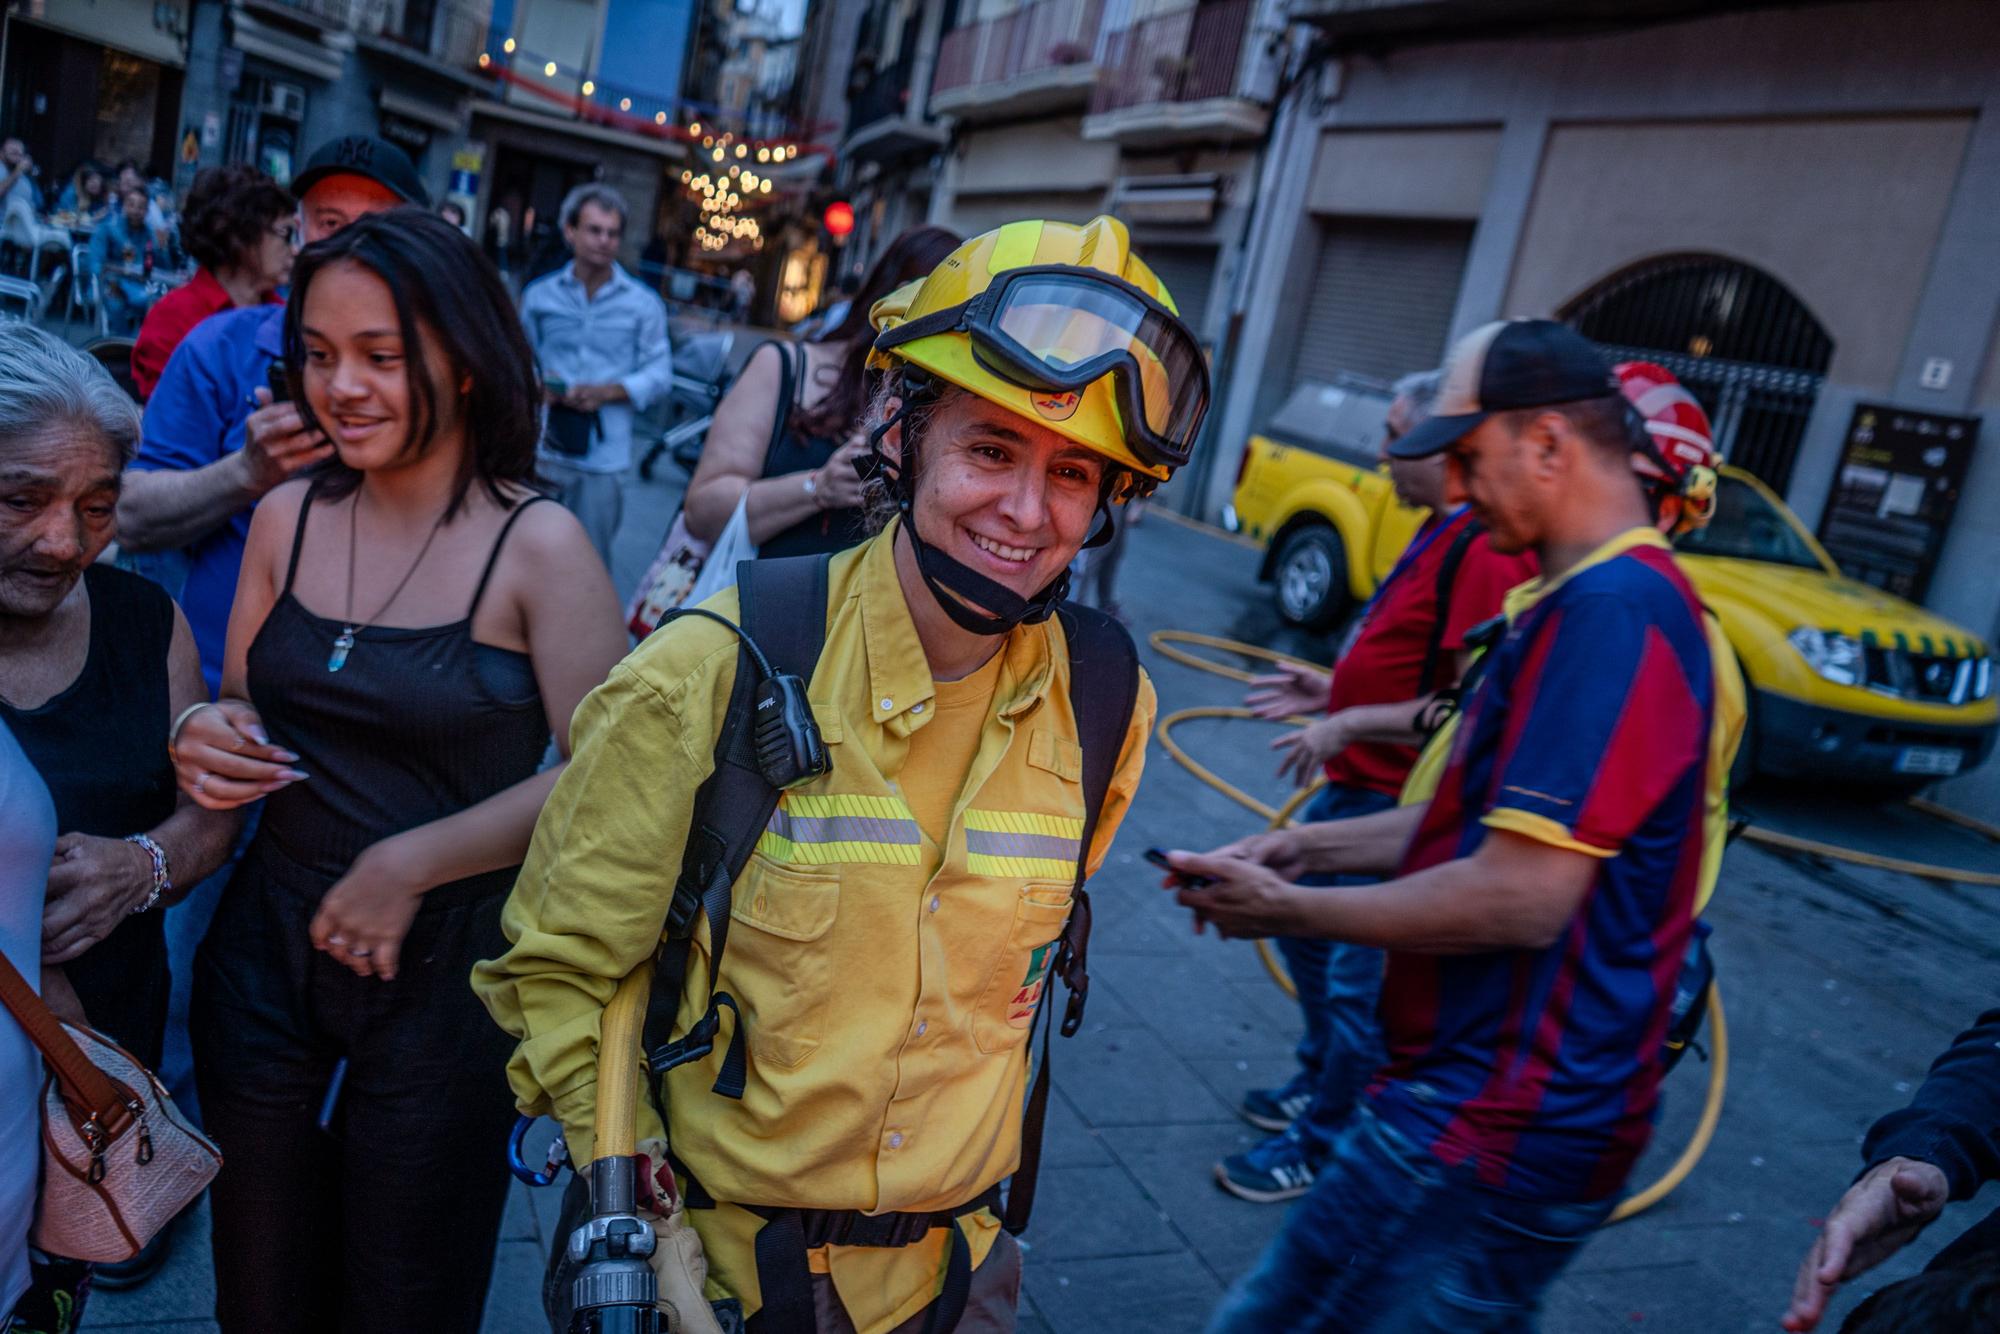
<point>1841,985</point>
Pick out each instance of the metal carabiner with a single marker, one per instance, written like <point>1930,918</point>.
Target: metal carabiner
<point>558,1155</point>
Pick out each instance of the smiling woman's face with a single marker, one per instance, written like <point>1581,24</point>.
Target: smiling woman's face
<point>1004,495</point>
<point>58,511</point>
<point>355,369</point>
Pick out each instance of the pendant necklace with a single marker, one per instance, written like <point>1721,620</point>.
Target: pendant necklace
<point>343,643</point>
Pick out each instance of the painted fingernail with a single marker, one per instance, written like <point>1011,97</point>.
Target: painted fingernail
<point>285,755</point>
<point>291,775</point>
<point>257,735</point>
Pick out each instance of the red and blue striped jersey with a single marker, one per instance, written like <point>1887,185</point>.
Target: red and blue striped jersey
<point>1539,1069</point>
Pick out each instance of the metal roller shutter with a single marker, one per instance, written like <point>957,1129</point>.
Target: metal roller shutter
<point>1189,273</point>
<point>1381,299</point>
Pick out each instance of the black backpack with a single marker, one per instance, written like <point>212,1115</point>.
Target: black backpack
<point>783,609</point>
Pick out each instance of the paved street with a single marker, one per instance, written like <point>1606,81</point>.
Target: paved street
<point>1841,984</point>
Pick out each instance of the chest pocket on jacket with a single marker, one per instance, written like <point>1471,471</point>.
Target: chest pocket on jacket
<point>773,963</point>
<point>1007,1001</point>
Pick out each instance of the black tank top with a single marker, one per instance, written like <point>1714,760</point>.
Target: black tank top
<point>101,743</point>
<point>417,724</point>
<point>791,451</point>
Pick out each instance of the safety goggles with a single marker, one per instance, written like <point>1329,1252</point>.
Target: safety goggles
<point>1058,329</point>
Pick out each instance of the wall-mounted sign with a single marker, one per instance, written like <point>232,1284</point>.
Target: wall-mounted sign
<point>411,134</point>
<point>1892,502</point>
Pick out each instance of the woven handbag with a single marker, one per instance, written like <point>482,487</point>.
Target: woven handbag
<point>118,1159</point>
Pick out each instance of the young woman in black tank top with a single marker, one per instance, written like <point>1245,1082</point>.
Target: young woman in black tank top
<point>409,630</point>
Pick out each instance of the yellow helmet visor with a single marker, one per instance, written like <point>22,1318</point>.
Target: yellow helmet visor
<point>1059,329</point>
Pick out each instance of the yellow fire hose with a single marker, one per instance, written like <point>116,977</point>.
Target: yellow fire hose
<point>620,1066</point>
<point>1163,641</point>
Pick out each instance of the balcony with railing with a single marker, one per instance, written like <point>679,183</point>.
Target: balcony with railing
<point>1039,58</point>
<point>451,33</point>
<point>884,115</point>
<point>1179,77</point>
<point>1376,22</point>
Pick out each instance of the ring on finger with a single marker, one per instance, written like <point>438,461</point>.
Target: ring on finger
<point>200,781</point>
<point>360,952</point>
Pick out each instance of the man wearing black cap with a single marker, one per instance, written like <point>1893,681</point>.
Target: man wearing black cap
<point>213,441</point>
<point>1544,896</point>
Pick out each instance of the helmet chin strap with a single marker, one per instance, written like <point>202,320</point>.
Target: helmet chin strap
<point>959,589</point>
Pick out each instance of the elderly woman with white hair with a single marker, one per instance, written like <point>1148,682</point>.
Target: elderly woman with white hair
<point>95,664</point>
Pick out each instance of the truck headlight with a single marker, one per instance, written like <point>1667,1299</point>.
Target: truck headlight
<point>1836,657</point>
<point>1982,678</point>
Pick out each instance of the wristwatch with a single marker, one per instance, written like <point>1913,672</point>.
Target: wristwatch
<point>162,882</point>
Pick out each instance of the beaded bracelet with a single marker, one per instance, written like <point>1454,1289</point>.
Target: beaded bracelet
<point>161,881</point>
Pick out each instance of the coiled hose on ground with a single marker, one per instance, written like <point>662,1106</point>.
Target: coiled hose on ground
<point>1165,642</point>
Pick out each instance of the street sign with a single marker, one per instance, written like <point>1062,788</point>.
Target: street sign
<point>1892,502</point>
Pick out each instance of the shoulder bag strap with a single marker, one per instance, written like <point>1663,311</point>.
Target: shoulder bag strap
<point>788,389</point>
<point>1447,579</point>
<point>1103,691</point>
<point>783,608</point>
<point>85,1088</point>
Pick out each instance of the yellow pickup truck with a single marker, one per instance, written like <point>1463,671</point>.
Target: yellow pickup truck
<point>1846,681</point>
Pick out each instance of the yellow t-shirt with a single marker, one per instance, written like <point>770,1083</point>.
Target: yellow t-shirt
<point>947,746</point>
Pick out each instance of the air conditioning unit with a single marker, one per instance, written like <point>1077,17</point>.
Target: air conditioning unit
<point>286,100</point>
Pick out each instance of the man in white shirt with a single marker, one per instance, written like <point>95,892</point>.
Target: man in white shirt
<point>601,338</point>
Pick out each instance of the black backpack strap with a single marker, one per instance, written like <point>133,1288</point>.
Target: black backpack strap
<point>783,609</point>
<point>1447,580</point>
<point>1103,691</point>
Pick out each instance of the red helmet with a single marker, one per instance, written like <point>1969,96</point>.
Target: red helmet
<point>1683,459</point>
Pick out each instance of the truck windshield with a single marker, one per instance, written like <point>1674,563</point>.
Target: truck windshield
<point>1746,526</point>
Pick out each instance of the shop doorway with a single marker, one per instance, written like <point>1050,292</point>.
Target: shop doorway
<point>529,188</point>
<point>1738,338</point>
<point>72,101</point>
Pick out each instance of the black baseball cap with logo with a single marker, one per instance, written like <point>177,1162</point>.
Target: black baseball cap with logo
<point>364,155</point>
<point>1506,365</point>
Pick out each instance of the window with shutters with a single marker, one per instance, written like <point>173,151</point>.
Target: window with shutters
<point>1382,297</point>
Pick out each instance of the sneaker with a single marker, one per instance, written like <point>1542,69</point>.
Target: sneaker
<point>1275,1109</point>
<point>1278,1169</point>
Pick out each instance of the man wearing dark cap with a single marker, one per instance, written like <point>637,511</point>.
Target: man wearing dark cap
<point>1544,897</point>
<point>213,441</point>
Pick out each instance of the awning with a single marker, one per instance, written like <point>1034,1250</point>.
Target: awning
<point>450,119</point>
<point>1168,199</point>
<point>155,32</point>
<point>670,149</point>
<point>321,60</point>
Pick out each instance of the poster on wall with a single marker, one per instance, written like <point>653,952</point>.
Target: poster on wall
<point>1893,497</point>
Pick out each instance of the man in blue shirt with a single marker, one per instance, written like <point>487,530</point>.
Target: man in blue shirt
<point>214,442</point>
<point>123,252</point>
<point>601,338</point>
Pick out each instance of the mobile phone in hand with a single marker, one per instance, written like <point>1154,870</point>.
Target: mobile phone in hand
<point>1158,857</point>
<point>279,381</point>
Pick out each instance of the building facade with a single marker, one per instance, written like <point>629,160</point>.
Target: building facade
<point>1797,209</point>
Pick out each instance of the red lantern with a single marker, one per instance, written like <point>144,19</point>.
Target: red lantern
<point>839,218</point>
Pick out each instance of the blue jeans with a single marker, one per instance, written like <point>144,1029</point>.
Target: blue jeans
<point>1339,986</point>
<point>1391,1241</point>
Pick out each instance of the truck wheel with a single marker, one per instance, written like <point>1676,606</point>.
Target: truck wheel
<point>1310,575</point>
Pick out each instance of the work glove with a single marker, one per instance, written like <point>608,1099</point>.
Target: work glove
<point>679,1266</point>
